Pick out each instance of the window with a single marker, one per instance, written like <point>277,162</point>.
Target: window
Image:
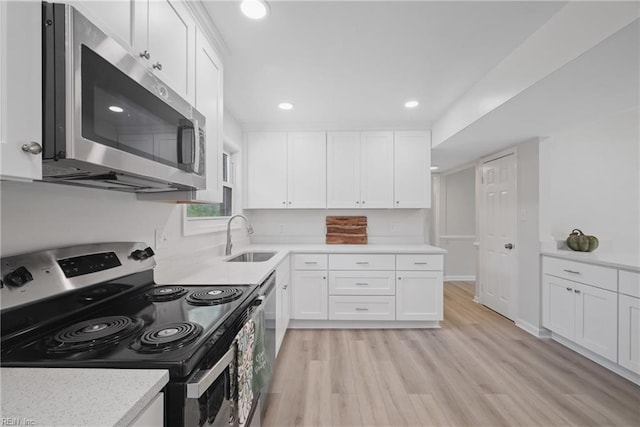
<point>206,218</point>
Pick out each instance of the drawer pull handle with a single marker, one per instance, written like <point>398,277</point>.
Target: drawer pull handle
<point>569,289</point>
<point>572,271</point>
<point>362,284</point>
<point>362,262</point>
<point>361,309</point>
<point>577,291</point>
<point>420,263</point>
<point>311,262</point>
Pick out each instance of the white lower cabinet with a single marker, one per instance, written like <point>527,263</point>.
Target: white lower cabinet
<point>580,303</point>
<point>584,314</point>
<point>310,294</point>
<point>629,332</point>
<point>152,415</point>
<point>362,307</point>
<point>419,295</point>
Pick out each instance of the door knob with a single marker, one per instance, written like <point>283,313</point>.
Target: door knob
<point>508,246</point>
<point>32,147</point>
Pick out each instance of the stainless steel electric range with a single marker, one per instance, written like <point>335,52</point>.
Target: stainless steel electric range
<point>98,306</point>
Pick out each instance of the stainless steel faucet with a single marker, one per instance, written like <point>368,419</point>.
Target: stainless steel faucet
<point>227,250</point>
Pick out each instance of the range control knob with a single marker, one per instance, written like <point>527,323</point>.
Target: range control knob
<point>18,277</point>
<point>142,254</point>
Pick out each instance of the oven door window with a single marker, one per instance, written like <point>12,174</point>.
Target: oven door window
<point>120,113</point>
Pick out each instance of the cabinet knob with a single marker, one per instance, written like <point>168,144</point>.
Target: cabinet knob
<point>399,278</point>
<point>508,246</point>
<point>145,54</point>
<point>324,277</point>
<point>284,203</point>
<point>363,202</point>
<point>569,289</point>
<point>289,202</point>
<point>577,291</point>
<point>32,147</point>
<point>157,66</point>
<point>397,202</point>
<point>357,202</point>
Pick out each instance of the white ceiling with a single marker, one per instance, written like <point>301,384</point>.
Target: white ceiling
<point>354,64</point>
<point>603,81</point>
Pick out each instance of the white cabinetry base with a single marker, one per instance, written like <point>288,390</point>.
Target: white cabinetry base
<point>633,377</point>
<point>361,324</point>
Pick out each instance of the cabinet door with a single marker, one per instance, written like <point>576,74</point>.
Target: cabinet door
<point>412,169</point>
<point>343,170</point>
<point>376,175</point>
<point>209,102</point>
<point>629,333</point>
<point>124,20</point>
<point>171,41</point>
<point>558,309</point>
<point>20,89</point>
<point>307,167</point>
<point>597,320</point>
<point>310,295</point>
<point>266,170</point>
<point>419,295</point>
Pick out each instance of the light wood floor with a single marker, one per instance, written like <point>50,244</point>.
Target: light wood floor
<point>478,369</point>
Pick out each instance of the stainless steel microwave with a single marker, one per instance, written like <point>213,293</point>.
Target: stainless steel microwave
<point>109,122</point>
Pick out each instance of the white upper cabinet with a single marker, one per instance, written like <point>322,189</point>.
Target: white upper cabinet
<point>170,45</point>
<point>376,169</point>
<point>286,170</point>
<point>266,170</point>
<point>161,33</point>
<point>20,90</point>
<point>343,170</point>
<point>412,171</point>
<point>208,101</point>
<point>307,167</point>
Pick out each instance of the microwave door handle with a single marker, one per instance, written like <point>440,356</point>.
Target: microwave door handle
<point>185,162</point>
<point>195,144</point>
<point>198,387</point>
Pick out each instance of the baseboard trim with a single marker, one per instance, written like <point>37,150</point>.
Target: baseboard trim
<point>460,278</point>
<point>476,299</point>
<point>362,324</point>
<point>613,367</point>
<point>532,329</point>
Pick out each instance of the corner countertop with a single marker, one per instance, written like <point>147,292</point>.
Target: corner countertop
<point>215,271</point>
<point>624,261</point>
<point>78,397</point>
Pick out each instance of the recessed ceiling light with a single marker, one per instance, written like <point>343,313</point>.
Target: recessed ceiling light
<point>435,168</point>
<point>254,9</point>
<point>285,106</point>
<point>411,104</point>
<point>116,109</point>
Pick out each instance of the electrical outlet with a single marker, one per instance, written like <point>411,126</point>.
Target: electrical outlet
<point>162,239</point>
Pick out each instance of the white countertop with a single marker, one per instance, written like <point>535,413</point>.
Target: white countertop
<point>215,271</point>
<point>78,397</point>
<point>625,261</point>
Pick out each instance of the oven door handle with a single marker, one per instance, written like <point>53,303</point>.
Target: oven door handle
<point>197,388</point>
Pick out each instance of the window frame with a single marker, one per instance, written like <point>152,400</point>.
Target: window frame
<point>212,224</point>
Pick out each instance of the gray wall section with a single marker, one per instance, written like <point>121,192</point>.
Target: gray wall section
<point>528,226</point>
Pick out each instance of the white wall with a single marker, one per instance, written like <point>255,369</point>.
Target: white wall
<point>308,226</point>
<point>527,228</point>
<point>457,223</point>
<point>38,215</point>
<point>590,179</point>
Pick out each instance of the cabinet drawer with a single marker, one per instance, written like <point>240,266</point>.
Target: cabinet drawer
<point>594,275</point>
<point>362,283</point>
<point>310,262</point>
<point>283,271</point>
<point>419,262</point>
<point>362,262</point>
<point>629,283</point>
<point>362,308</point>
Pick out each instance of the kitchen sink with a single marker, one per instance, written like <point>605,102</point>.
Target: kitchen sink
<point>252,257</point>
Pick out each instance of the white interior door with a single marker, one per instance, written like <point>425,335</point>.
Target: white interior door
<point>497,234</point>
